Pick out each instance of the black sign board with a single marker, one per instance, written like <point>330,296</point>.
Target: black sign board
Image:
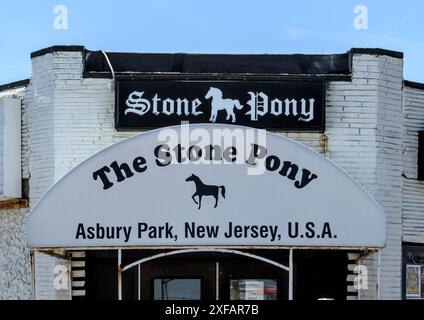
<point>284,105</point>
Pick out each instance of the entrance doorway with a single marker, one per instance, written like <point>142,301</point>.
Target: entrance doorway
<point>250,275</point>
<point>205,276</point>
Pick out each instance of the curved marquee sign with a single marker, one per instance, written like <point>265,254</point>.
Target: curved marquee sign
<point>215,185</point>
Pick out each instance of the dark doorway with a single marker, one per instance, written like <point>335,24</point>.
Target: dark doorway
<point>206,276</point>
<point>188,278</point>
<point>320,274</point>
<point>101,275</point>
<point>317,274</point>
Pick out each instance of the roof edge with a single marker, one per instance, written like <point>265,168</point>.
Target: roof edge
<point>76,48</point>
<point>57,48</point>
<point>377,52</point>
<point>14,85</point>
<point>414,85</point>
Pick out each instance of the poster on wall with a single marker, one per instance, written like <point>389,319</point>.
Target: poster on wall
<point>254,290</point>
<point>413,277</point>
<point>422,282</point>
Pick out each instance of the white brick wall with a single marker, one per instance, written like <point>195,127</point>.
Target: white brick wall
<point>389,171</point>
<point>364,138</point>
<point>24,139</point>
<point>1,152</point>
<point>45,268</point>
<point>64,127</point>
<point>68,119</point>
<point>413,190</point>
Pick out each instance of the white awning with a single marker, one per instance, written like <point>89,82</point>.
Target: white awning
<point>129,195</point>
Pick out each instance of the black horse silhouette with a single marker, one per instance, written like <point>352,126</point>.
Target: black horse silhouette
<point>205,190</point>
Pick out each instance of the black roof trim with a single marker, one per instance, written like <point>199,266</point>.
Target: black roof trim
<point>14,85</point>
<point>56,49</point>
<point>334,65</point>
<point>377,52</point>
<point>182,63</point>
<point>412,84</point>
<point>215,76</point>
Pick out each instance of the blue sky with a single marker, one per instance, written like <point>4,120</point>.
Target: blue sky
<point>210,26</point>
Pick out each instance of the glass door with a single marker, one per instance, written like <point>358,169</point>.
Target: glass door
<point>177,288</point>
<point>212,277</point>
<point>178,279</point>
<point>248,279</point>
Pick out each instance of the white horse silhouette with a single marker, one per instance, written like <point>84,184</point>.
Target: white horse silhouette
<point>219,104</point>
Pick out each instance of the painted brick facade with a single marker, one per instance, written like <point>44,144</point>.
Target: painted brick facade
<point>413,200</point>
<point>67,118</point>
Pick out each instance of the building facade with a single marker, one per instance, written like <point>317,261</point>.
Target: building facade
<point>67,114</point>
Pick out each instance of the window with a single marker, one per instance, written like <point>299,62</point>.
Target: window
<point>253,289</point>
<point>177,289</point>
